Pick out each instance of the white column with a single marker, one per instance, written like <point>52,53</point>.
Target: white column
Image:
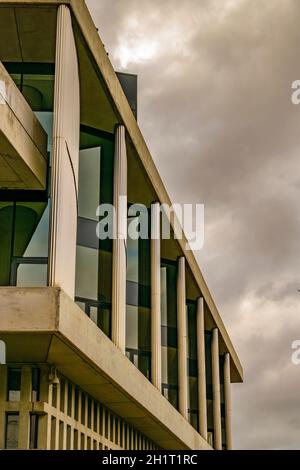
<point>155,297</point>
<point>227,393</point>
<point>182,333</point>
<point>119,243</point>
<point>216,389</point>
<point>201,369</point>
<point>65,158</point>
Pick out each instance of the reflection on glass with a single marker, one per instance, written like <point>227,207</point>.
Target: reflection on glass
<point>87,273</point>
<point>89,183</point>
<point>94,256</point>
<point>193,406</point>
<point>32,275</point>
<point>14,384</point>
<point>24,229</point>
<point>209,390</point>
<point>33,434</point>
<point>24,226</point>
<point>138,327</point>
<point>222,396</point>
<point>169,332</point>
<point>35,384</point>
<point>12,431</point>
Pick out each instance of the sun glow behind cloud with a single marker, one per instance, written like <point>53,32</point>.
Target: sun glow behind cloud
<point>135,51</point>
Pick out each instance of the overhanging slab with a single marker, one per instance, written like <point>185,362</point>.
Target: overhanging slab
<point>83,353</point>
<point>23,141</point>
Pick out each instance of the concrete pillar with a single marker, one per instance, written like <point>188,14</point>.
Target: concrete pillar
<point>24,421</point>
<point>182,336</point>
<point>201,369</point>
<point>65,157</point>
<point>216,389</point>
<point>119,243</point>
<point>227,393</point>
<point>3,398</point>
<point>155,297</point>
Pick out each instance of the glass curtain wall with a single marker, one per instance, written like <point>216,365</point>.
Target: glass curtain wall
<point>169,331</point>
<point>193,406</point>
<point>94,256</point>
<point>209,389</point>
<point>24,214</point>
<point>138,301</point>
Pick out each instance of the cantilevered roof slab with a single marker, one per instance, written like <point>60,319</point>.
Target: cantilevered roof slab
<point>23,141</point>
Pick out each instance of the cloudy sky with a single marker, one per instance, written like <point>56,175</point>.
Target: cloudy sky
<point>215,108</point>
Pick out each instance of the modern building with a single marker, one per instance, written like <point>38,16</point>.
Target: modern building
<point>110,344</point>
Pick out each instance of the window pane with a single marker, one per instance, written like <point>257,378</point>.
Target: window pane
<point>14,384</point>
<point>169,331</point>
<point>138,327</point>
<point>6,226</point>
<point>32,230</point>
<point>32,275</point>
<point>12,431</point>
<point>89,183</point>
<point>87,273</point>
<point>131,327</point>
<point>101,317</point>
<point>94,256</point>
<point>33,444</point>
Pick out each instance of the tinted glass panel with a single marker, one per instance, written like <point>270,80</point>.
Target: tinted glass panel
<point>169,332</point>
<point>12,431</point>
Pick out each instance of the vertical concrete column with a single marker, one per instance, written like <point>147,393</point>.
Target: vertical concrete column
<point>201,369</point>
<point>3,398</point>
<point>119,243</point>
<point>182,334</point>
<point>72,416</point>
<point>155,297</point>
<point>24,421</point>
<point>216,389</point>
<point>57,427</point>
<point>227,393</point>
<point>44,427</point>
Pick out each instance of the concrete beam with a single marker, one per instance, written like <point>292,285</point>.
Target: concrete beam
<point>23,141</point>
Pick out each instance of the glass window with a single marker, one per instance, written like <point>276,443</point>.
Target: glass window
<point>70,398</point>
<point>14,384</point>
<point>33,437</point>
<point>24,219</point>
<point>209,391</point>
<point>12,431</point>
<point>82,409</point>
<point>193,406</point>
<point>87,273</point>
<point>24,230</point>
<point>222,396</point>
<point>138,312</point>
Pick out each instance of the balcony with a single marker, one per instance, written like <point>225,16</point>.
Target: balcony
<point>23,141</point>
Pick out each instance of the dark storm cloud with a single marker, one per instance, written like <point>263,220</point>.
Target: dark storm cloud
<point>215,86</point>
